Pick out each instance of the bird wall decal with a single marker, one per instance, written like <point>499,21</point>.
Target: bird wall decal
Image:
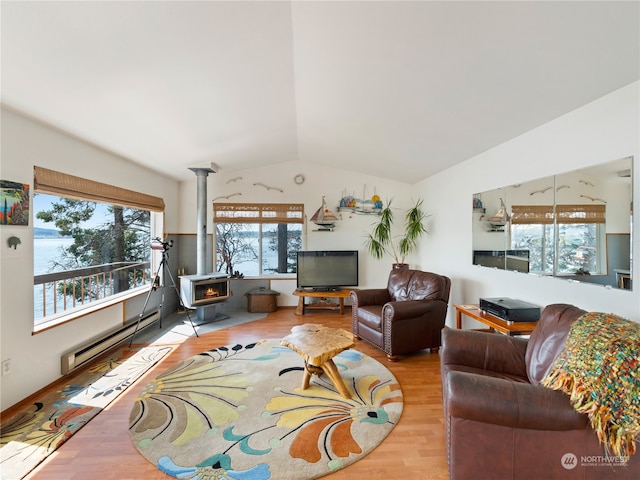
<point>594,199</point>
<point>227,197</point>
<point>268,187</point>
<point>541,191</point>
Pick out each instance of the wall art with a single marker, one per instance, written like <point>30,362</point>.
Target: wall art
<point>14,203</point>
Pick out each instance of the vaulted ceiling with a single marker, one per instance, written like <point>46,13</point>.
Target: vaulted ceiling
<point>397,89</point>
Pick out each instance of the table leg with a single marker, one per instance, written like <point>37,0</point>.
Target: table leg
<point>341,306</point>
<point>308,371</point>
<point>300,307</point>
<point>305,379</point>
<point>458,319</point>
<point>332,372</point>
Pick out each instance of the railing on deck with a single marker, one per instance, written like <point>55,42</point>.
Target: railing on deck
<point>61,291</point>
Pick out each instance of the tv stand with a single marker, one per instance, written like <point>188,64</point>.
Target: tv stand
<point>339,293</point>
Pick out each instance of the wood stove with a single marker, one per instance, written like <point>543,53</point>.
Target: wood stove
<point>202,290</point>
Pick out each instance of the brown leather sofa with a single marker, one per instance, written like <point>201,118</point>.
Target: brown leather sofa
<point>406,316</point>
<point>502,424</point>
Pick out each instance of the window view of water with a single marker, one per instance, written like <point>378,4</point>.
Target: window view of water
<point>47,250</point>
<point>252,249</point>
<point>113,257</point>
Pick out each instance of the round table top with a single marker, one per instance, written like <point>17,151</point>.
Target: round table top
<point>317,343</point>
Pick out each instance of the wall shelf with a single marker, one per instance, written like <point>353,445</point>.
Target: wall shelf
<point>357,211</point>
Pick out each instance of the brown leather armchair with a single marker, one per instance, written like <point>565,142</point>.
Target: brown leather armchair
<point>406,316</point>
<point>502,424</point>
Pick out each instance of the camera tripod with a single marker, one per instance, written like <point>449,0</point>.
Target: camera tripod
<point>155,286</point>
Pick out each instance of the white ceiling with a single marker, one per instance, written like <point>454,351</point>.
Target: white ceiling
<point>401,90</point>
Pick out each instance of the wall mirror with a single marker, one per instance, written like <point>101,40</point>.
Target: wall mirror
<point>575,225</point>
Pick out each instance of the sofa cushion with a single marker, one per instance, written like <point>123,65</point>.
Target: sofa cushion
<point>482,372</point>
<point>548,339</point>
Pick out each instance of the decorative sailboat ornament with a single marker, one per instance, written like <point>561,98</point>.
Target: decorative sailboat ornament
<point>500,219</point>
<point>324,217</point>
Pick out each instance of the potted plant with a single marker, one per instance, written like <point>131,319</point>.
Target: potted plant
<point>382,240</point>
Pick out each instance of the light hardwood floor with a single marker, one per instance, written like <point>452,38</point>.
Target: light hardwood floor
<point>415,448</point>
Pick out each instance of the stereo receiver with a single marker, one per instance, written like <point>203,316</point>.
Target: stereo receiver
<point>510,309</point>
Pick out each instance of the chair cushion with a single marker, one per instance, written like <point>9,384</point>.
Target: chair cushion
<point>371,316</point>
<point>416,285</point>
<point>548,339</point>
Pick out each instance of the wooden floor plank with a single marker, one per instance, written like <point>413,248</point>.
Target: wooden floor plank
<point>414,449</point>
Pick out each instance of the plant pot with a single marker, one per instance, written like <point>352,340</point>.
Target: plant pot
<point>401,266</point>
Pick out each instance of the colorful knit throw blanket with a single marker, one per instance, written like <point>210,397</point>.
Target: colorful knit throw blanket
<point>598,369</point>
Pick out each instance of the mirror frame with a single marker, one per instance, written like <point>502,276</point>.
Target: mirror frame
<point>598,185</point>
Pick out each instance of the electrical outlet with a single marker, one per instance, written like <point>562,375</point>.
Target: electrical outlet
<point>6,367</point>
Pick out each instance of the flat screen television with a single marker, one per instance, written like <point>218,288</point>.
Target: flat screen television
<point>327,270</point>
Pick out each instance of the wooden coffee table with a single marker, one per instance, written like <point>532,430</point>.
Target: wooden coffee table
<point>317,345</point>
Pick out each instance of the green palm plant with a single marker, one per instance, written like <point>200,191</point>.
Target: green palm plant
<point>381,240</point>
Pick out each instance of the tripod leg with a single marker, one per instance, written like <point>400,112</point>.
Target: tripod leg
<point>146,302</point>
<point>182,304</point>
<point>161,305</point>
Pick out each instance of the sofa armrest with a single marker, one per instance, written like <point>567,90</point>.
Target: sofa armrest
<point>511,404</point>
<point>483,350</point>
<point>371,296</point>
<point>394,311</point>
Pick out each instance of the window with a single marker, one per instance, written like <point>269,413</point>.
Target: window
<point>257,238</point>
<point>91,243</point>
<point>579,230</point>
<point>532,230</point>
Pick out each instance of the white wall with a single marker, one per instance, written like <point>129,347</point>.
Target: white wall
<point>35,359</point>
<point>607,129</point>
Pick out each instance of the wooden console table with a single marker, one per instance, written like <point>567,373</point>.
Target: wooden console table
<point>493,322</point>
<point>339,294</point>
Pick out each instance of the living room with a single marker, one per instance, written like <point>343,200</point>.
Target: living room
<point>602,129</point>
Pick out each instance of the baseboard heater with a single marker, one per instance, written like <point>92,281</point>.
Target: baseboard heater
<point>72,360</point>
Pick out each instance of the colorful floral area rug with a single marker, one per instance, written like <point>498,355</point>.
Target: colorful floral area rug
<point>238,412</point>
<point>31,435</point>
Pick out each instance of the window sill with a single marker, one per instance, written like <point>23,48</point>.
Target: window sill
<point>575,275</point>
<point>69,316</point>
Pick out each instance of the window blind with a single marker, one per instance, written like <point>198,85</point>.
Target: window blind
<point>543,214</point>
<point>532,214</point>
<point>258,212</point>
<point>65,185</point>
<point>581,213</point>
